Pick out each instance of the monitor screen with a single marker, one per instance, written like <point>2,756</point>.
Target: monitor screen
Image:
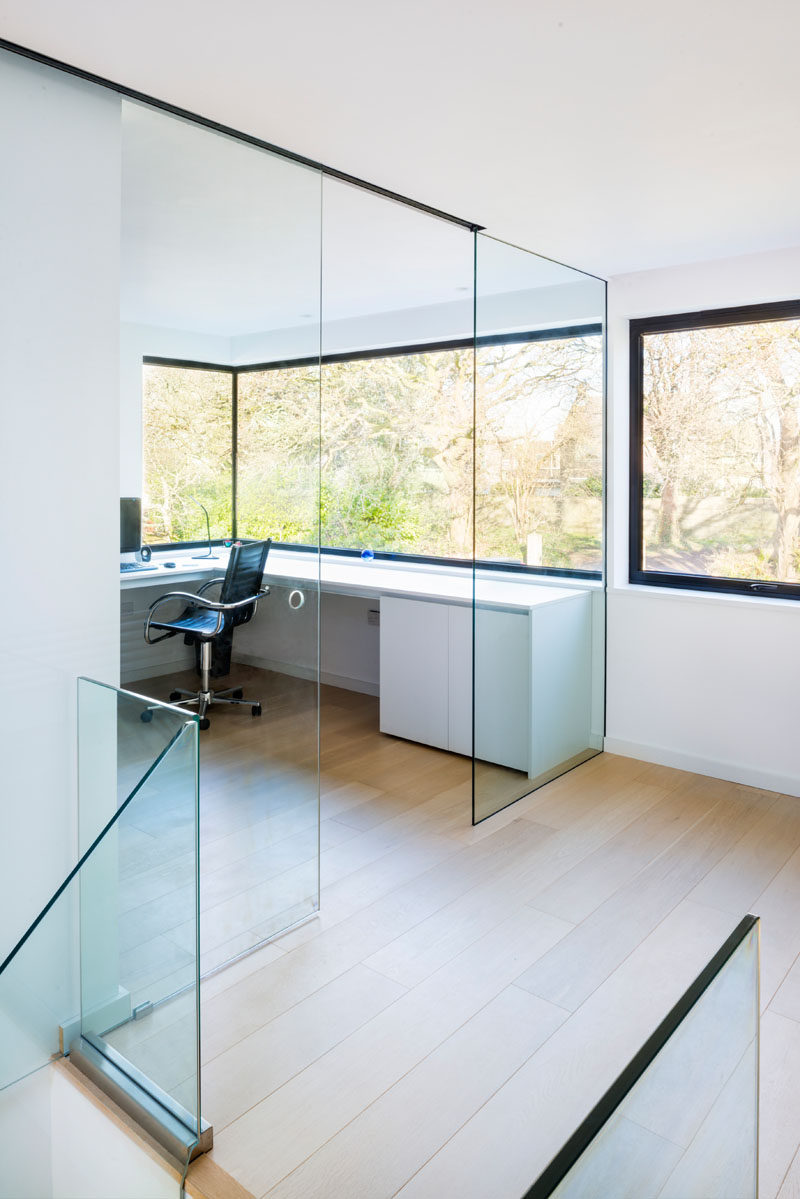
<point>130,525</point>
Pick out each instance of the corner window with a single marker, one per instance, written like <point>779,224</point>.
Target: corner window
<point>187,452</point>
<point>401,472</point>
<point>715,450</point>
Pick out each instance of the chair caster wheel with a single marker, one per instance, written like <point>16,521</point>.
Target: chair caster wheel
<point>146,716</point>
<point>256,709</point>
<point>173,695</point>
<point>237,694</point>
<point>205,723</point>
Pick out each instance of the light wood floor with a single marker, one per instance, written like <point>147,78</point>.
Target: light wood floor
<point>466,995</point>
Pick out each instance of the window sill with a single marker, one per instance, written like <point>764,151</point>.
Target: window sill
<point>716,598</point>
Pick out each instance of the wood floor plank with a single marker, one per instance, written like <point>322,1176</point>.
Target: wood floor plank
<point>790,1187</point>
<point>507,1144</point>
<point>581,890</point>
<point>281,984</point>
<point>778,905</point>
<point>243,1075</point>
<point>736,882</point>
<point>780,1112</point>
<point>293,1122</point>
<point>390,1140</point>
<point>569,974</point>
<point>394,1044</point>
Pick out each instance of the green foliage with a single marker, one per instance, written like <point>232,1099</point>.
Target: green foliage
<point>395,440</point>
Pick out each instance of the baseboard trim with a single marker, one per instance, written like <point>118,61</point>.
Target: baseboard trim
<point>732,772</point>
<point>157,670</point>
<point>307,672</point>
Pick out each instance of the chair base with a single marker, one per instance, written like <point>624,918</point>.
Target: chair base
<point>204,697</point>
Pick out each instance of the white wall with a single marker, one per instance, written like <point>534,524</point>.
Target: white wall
<point>281,638</point>
<point>707,683</point>
<point>57,1139</point>
<point>59,376</point>
<point>566,303</point>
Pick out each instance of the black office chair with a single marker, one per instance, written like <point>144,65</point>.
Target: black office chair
<point>203,622</point>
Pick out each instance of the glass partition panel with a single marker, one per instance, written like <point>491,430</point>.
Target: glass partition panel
<point>220,279</point>
<point>681,1122</point>
<point>396,501</point>
<point>539,613</point>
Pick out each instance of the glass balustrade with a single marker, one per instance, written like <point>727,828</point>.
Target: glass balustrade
<point>681,1121</point>
<point>108,972</point>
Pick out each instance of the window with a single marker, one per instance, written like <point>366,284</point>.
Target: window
<point>187,451</point>
<point>396,430</point>
<point>539,469</point>
<point>715,450</point>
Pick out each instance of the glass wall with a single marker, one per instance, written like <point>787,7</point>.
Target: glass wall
<point>539,616</point>
<point>220,269</point>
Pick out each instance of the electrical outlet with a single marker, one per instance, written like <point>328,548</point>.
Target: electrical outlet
<point>373,616</point>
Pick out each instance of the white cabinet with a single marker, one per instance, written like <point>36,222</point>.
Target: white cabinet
<point>502,687</point>
<point>414,670</point>
<point>532,678</point>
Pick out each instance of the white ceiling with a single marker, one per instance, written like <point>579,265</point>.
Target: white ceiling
<point>614,136</point>
<point>221,237</point>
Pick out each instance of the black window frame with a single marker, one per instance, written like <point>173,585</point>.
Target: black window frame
<point>710,318</point>
<point>560,333</point>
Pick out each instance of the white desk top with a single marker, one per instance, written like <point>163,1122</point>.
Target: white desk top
<point>352,576</point>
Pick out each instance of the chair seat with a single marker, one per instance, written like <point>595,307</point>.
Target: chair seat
<point>200,621</point>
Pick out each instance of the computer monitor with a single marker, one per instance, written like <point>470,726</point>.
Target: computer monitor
<point>130,525</point>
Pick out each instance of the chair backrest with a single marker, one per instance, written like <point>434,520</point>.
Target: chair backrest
<point>244,576</point>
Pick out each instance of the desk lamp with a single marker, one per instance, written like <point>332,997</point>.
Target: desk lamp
<point>209,553</point>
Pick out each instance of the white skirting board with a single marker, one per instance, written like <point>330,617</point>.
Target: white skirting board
<point>365,686</point>
<point>733,772</point>
<point>155,671</point>
<point>161,669</point>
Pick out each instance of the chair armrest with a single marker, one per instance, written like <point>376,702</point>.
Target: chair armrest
<point>201,602</point>
<point>210,583</point>
<point>188,597</point>
<point>195,598</point>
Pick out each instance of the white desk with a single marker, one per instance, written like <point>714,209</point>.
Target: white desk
<point>348,576</point>
<point>536,648</point>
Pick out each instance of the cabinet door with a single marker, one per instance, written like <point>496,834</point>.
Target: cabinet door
<point>502,688</point>
<point>460,683</point>
<point>414,670</point>
<point>562,682</point>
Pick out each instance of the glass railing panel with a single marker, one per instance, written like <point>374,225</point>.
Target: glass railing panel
<point>681,1121</point>
<point>139,938</point>
<point>139,891</point>
<point>121,737</point>
<point>39,991</point>
<point>76,981</point>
